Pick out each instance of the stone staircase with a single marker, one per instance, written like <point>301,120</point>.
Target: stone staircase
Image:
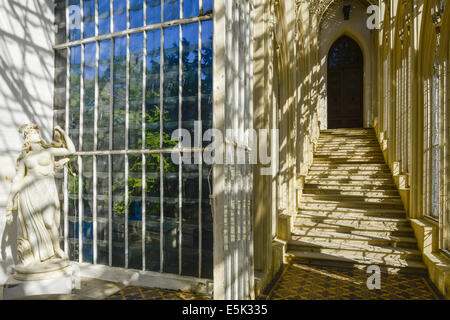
<point>351,214</point>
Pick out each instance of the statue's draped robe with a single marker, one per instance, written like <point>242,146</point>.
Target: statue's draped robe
<point>39,195</point>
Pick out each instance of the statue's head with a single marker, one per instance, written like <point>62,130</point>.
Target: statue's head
<point>31,133</point>
<point>31,136</point>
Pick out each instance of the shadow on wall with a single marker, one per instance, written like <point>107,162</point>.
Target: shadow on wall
<point>26,94</point>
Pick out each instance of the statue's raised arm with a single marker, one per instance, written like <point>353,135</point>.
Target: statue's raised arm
<point>63,145</point>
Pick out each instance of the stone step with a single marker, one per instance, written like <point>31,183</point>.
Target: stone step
<point>349,153</point>
<point>350,212</point>
<point>352,261</point>
<point>351,166</point>
<point>359,216</point>
<point>355,160</point>
<point>349,176</point>
<point>366,211</point>
<point>354,239</point>
<point>323,145</point>
<point>351,187</point>
<point>350,139</point>
<point>342,172</point>
<point>351,227</point>
<point>344,146</point>
<point>351,197</point>
<point>353,224</point>
<point>339,249</point>
<point>345,135</point>
<point>350,150</point>
<point>347,131</point>
<point>330,204</point>
<point>327,229</point>
<point>358,193</point>
<point>344,157</point>
<point>355,181</point>
<point>338,169</point>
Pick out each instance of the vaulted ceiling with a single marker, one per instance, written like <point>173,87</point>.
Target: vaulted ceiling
<point>321,6</point>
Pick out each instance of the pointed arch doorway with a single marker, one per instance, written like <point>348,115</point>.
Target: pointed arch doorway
<point>345,84</point>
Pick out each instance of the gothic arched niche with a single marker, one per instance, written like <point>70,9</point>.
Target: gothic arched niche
<point>345,84</point>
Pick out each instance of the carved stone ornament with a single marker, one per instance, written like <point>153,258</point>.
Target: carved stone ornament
<point>34,197</point>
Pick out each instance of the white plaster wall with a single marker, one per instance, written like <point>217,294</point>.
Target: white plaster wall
<point>26,94</point>
<point>333,27</point>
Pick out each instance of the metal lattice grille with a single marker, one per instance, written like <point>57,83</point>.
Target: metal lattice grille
<point>128,73</point>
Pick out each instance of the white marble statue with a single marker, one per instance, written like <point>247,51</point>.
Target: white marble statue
<point>35,197</point>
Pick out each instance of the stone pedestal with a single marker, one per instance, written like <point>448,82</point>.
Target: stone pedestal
<point>23,284</point>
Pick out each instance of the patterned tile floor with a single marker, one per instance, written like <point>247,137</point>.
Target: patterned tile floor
<point>302,282</point>
<point>138,293</point>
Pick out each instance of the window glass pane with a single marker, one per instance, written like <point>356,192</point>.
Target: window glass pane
<point>89,95</point>
<point>104,16</point>
<point>74,100</point>
<point>102,210</point>
<point>59,98</point>
<point>153,212</point>
<point>73,213</point>
<point>135,90</point>
<point>435,183</point>
<point>206,75</point>
<point>189,106</point>
<point>59,118</point>
<point>207,6</point>
<point>89,18</point>
<point>74,20</point>
<point>207,223</point>
<point>60,21</point>
<point>171,10</point>
<point>153,11</point>
<point>190,227</point>
<point>59,181</point>
<point>171,216</point>
<point>190,8</point>
<point>119,94</point>
<point>118,210</point>
<point>120,15</point>
<point>136,13</point>
<point>171,82</point>
<point>135,212</point>
<point>152,116</point>
<point>104,94</point>
<point>435,163</point>
<point>87,231</point>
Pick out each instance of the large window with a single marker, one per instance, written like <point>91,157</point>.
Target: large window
<point>435,143</point>
<point>128,73</point>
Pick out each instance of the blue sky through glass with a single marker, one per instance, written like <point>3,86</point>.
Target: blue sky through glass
<point>171,10</point>
<point>136,13</point>
<point>120,15</point>
<point>89,18</point>
<point>153,11</point>
<point>190,8</point>
<point>104,16</point>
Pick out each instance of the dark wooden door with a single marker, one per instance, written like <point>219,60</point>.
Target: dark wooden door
<point>345,84</point>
